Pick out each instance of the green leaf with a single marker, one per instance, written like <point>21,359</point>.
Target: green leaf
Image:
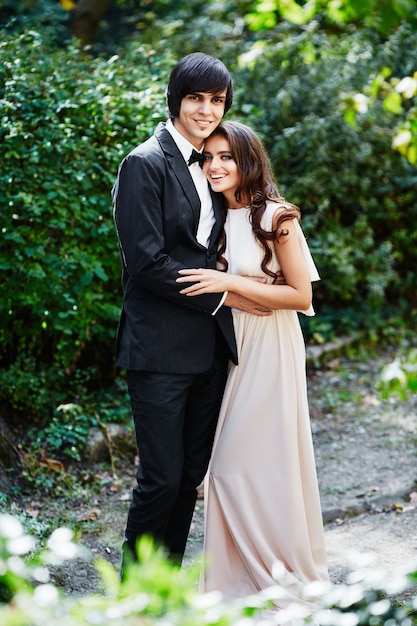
<point>261,21</point>
<point>393,103</point>
<point>350,117</point>
<point>293,12</point>
<point>412,154</point>
<point>403,8</point>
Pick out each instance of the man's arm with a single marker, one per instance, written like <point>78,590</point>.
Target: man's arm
<point>235,301</point>
<point>139,218</point>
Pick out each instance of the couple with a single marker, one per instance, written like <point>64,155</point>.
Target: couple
<point>216,356</point>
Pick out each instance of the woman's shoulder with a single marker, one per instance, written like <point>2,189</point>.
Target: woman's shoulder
<point>280,210</point>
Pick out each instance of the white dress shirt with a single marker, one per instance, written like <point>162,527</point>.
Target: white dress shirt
<point>207,220</point>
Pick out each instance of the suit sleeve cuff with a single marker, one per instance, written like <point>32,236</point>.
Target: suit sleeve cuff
<point>224,296</point>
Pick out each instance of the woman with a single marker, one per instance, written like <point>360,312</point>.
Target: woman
<point>262,500</point>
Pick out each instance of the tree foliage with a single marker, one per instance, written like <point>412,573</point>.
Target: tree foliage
<point>381,15</point>
<point>356,193</point>
<point>66,123</point>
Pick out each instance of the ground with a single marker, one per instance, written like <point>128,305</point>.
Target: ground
<point>366,457</point>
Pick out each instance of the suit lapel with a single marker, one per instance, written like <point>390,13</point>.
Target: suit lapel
<point>218,215</point>
<point>180,169</point>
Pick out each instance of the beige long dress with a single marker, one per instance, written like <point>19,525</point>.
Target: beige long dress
<point>262,501</point>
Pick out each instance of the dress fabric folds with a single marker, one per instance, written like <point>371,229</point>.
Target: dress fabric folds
<point>262,502</point>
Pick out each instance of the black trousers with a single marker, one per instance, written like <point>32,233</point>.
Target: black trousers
<point>175,417</point>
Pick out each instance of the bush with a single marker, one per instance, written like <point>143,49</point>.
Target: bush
<point>157,592</point>
<point>399,377</point>
<point>355,192</point>
<point>66,123</point>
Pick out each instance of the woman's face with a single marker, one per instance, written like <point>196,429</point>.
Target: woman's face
<point>221,168</point>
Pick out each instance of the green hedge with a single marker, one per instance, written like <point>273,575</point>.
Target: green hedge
<point>357,194</point>
<point>66,124</point>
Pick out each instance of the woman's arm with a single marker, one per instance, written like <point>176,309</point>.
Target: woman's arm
<point>296,294</point>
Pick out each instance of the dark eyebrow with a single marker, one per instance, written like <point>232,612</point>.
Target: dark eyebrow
<point>220,152</point>
<point>214,94</point>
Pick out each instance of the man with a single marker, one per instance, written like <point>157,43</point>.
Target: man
<point>175,349</point>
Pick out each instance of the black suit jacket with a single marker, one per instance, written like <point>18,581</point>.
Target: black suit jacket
<point>156,209</point>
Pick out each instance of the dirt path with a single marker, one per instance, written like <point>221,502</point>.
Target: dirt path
<point>366,454</point>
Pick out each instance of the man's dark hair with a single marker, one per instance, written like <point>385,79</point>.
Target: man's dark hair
<point>198,73</point>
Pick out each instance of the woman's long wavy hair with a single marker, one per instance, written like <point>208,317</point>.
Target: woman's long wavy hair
<point>257,186</point>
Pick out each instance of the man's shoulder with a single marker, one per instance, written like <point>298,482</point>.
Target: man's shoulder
<point>159,144</point>
<point>147,146</point>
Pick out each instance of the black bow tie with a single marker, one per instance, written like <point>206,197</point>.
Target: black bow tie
<point>196,157</point>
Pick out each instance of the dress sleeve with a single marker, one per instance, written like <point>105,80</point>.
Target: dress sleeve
<point>312,269</point>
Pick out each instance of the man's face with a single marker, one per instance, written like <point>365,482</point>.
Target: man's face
<point>200,114</point>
